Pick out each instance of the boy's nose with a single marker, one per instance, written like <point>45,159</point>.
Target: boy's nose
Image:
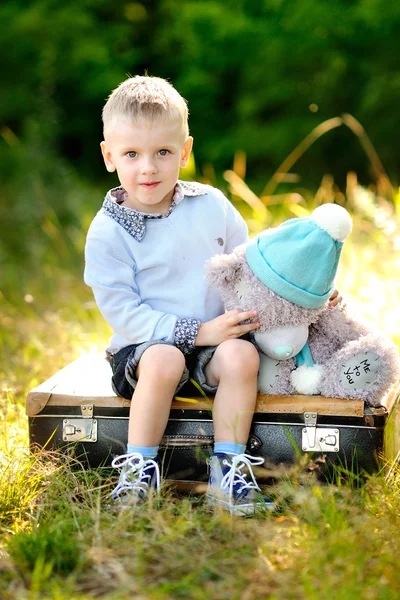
<point>147,167</point>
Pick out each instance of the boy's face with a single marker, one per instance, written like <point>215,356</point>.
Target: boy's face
<point>147,157</point>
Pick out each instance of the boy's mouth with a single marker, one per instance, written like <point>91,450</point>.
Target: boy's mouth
<point>150,185</point>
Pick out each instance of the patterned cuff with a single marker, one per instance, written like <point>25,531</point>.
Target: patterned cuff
<point>185,334</point>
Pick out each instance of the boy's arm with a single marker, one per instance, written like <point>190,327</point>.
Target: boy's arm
<point>236,229</point>
<point>117,296</point>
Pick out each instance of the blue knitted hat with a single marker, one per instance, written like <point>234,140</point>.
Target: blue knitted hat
<point>298,260</point>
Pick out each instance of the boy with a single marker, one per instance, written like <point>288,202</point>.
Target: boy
<point>145,254</point>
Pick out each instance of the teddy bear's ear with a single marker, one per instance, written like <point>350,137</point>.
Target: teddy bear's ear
<point>223,269</point>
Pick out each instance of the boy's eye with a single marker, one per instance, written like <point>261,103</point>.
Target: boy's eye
<point>163,152</point>
<point>132,154</point>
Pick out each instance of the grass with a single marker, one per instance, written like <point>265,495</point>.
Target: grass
<point>58,540</point>
<point>329,541</point>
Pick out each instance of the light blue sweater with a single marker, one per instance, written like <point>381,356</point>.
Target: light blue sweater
<point>144,284</point>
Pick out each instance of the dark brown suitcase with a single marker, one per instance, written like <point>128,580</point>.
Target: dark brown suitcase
<point>77,409</point>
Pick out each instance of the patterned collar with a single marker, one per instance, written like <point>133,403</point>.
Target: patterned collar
<point>134,221</point>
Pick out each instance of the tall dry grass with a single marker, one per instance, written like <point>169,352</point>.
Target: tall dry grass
<point>58,540</point>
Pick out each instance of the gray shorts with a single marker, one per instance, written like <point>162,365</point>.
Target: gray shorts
<point>125,361</point>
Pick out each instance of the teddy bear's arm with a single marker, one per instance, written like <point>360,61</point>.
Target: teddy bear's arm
<point>334,328</point>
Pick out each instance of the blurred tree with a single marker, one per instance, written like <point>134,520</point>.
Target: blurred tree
<point>258,75</point>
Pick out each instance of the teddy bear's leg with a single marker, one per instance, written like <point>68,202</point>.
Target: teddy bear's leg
<point>363,369</point>
<point>274,375</point>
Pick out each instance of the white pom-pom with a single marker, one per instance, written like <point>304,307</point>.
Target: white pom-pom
<point>333,219</point>
<point>306,380</point>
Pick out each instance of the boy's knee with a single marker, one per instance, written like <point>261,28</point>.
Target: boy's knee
<point>239,356</point>
<point>162,361</point>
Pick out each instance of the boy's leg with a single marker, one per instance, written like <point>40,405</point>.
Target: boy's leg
<point>232,485</point>
<point>158,373</point>
<point>233,368</point>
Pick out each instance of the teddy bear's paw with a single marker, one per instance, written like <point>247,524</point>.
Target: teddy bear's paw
<point>365,374</point>
<point>274,376</point>
<point>307,380</point>
<point>359,371</point>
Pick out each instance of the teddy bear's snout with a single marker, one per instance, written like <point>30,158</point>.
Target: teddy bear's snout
<point>283,352</point>
<point>282,343</point>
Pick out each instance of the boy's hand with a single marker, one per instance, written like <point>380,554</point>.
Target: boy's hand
<point>335,299</point>
<point>225,327</point>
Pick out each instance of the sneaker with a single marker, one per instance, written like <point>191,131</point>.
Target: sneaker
<point>233,489</point>
<point>139,475</point>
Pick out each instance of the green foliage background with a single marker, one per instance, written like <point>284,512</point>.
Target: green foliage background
<point>250,70</point>
<point>259,75</point>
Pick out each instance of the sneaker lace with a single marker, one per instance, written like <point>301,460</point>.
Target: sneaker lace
<point>235,480</point>
<point>136,474</point>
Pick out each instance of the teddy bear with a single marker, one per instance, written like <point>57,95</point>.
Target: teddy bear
<point>287,275</point>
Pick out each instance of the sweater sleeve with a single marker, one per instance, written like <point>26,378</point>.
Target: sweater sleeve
<point>112,280</point>
<point>185,334</point>
<point>236,228</point>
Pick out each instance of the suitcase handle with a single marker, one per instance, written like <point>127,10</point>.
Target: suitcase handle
<point>186,441</point>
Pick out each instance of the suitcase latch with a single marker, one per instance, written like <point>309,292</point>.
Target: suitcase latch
<point>87,410</point>
<point>318,439</point>
<point>80,430</point>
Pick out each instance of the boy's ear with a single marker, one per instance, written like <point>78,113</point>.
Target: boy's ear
<point>187,148</point>
<point>107,157</point>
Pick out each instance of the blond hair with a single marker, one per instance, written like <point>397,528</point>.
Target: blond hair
<point>145,98</point>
